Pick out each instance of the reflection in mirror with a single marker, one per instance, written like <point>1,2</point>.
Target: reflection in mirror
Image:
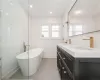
<point>84,17</point>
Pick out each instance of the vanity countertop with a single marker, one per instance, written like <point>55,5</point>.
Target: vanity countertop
<point>80,52</point>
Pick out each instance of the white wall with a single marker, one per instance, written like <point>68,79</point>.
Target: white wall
<point>49,45</point>
<point>97,21</point>
<point>13,32</point>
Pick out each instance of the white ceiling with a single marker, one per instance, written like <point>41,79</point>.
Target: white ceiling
<point>42,8</point>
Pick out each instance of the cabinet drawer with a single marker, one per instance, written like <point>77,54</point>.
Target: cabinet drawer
<point>70,64</point>
<point>65,71</point>
<point>65,74</point>
<point>65,64</point>
<point>59,64</point>
<point>68,59</point>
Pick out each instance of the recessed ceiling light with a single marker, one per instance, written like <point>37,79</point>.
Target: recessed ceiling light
<point>78,12</point>
<point>11,3</point>
<point>31,6</point>
<point>7,14</point>
<point>50,12</point>
<point>1,10</point>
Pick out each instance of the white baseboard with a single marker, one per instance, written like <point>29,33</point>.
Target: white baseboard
<point>49,57</point>
<point>10,73</point>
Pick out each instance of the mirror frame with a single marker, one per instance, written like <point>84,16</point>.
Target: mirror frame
<point>69,22</point>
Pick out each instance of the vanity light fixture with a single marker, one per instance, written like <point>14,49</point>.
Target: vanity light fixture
<point>31,6</point>
<point>50,12</point>
<point>78,12</point>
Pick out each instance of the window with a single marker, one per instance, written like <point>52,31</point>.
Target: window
<point>45,31</point>
<point>75,30</point>
<point>55,31</point>
<point>70,31</point>
<point>50,31</point>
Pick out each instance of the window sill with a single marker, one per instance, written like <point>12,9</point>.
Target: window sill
<point>44,38</point>
<point>51,38</point>
<point>57,38</point>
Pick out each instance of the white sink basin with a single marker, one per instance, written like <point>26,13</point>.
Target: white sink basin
<point>83,48</point>
<point>79,47</point>
<point>80,52</point>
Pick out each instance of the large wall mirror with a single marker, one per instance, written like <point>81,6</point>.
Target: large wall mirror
<point>84,17</point>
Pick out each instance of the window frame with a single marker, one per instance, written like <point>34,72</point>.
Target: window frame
<point>50,32</point>
<point>60,31</point>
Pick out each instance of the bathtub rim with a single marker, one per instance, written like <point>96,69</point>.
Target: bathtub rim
<point>27,52</point>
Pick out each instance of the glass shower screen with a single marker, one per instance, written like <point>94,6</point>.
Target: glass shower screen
<point>14,39</point>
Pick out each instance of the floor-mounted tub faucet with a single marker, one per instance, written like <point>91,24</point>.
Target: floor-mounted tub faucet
<point>26,47</point>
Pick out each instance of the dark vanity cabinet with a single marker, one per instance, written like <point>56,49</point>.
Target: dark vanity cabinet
<point>88,68</point>
<point>71,68</point>
<point>65,63</point>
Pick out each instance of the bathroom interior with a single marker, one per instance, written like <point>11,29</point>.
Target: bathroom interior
<point>49,39</point>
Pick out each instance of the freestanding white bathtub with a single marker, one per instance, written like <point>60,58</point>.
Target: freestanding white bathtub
<point>29,61</point>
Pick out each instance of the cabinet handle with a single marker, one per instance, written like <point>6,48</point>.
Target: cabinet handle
<point>64,58</point>
<point>58,52</point>
<point>59,69</point>
<point>63,68</point>
<point>65,72</point>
